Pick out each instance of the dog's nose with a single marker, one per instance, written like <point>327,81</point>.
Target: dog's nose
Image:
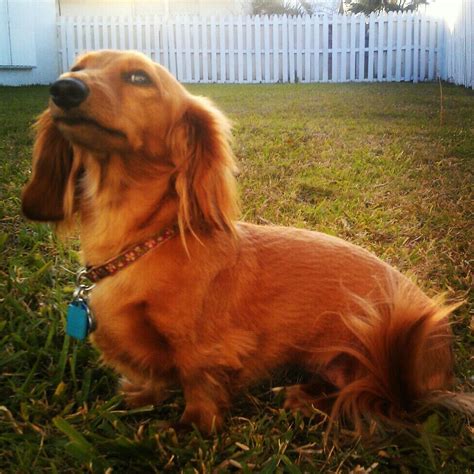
<point>68,93</point>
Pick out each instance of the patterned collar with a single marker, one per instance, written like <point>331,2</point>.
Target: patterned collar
<point>133,253</point>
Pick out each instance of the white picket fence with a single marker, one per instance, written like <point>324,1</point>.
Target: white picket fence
<point>254,49</point>
<point>459,47</point>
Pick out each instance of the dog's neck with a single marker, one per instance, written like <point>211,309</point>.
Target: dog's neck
<point>119,208</point>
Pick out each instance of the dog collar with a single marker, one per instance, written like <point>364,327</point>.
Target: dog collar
<point>126,258</point>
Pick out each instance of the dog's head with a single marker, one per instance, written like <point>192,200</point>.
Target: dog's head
<point>122,103</point>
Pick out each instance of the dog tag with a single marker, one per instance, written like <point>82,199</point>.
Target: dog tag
<point>78,320</point>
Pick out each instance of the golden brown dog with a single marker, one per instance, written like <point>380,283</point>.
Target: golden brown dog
<point>125,148</point>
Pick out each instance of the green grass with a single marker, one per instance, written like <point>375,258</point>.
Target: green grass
<point>369,162</point>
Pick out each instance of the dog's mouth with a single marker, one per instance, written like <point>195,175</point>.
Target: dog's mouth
<point>82,120</point>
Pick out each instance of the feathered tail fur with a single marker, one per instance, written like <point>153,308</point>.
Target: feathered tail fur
<point>404,356</point>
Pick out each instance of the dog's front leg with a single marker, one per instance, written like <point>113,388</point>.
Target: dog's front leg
<point>206,399</point>
<point>144,392</point>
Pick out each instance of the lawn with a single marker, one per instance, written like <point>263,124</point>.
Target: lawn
<point>367,162</point>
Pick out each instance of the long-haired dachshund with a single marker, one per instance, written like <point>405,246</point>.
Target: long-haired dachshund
<point>187,296</point>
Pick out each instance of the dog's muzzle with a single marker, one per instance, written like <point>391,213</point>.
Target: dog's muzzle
<point>68,93</point>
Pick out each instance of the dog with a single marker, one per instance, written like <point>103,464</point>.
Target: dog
<point>190,297</point>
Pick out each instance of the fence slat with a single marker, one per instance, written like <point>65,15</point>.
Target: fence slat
<point>389,74</point>
<point>240,47</point>
<point>213,50</point>
<point>299,48</point>
<point>352,49</point>
<point>258,50</point>
<point>186,43</point>
<point>409,26</point>
<point>80,37</point>
<point>232,77</point>
<point>172,48</point>
<point>266,48</point>
<point>222,51</point>
<point>276,48</point>
<point>307,49</point>
<point>423,32</point>
<point>248,48</point>
<point>362,26</point>
<point>334,49</point>
<point>285,51</point>
<point>291,49</point>
<point>440,52</point>
<point>70,46</point>
<point>317,31</point>
<point>344,49</point>
<point>147,33</point>
<point>380,46</point>
<point>399,45</point>
<point>431,49</point>
<point>416,48</point>
<point>370,70</point>
<point>139,33</point>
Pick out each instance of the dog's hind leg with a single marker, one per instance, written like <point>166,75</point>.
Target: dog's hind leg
<point>306,398</point>
<point>321,392</point>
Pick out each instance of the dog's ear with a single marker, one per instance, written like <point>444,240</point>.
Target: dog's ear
<point>205,182</point>
<point>43,198</point>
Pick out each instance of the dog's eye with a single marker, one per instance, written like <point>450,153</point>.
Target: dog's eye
<point>77,68</point>
<point>139,78</point>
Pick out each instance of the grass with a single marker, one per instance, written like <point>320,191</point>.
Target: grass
<point>368,162</point>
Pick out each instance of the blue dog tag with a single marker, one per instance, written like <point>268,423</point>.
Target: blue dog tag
<point>78,320</point>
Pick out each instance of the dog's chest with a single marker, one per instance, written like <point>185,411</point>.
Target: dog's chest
<point>128,336</point>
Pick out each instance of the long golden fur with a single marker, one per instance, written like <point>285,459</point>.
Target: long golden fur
<point>227,302</point>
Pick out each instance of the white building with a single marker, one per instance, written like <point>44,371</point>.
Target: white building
<point>153,7</point>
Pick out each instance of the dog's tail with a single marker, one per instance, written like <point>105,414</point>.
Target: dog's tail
<point>404,358</point>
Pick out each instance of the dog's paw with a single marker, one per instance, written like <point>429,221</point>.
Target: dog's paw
<point>299,399</point>
<point>139,395</point>
<point>205,422</point>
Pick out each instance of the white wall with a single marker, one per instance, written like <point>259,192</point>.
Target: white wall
<point>41,34</point>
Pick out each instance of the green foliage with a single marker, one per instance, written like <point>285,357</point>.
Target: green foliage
<point>282,7</point>
<point>372,6</point>
<point>367,162</point>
